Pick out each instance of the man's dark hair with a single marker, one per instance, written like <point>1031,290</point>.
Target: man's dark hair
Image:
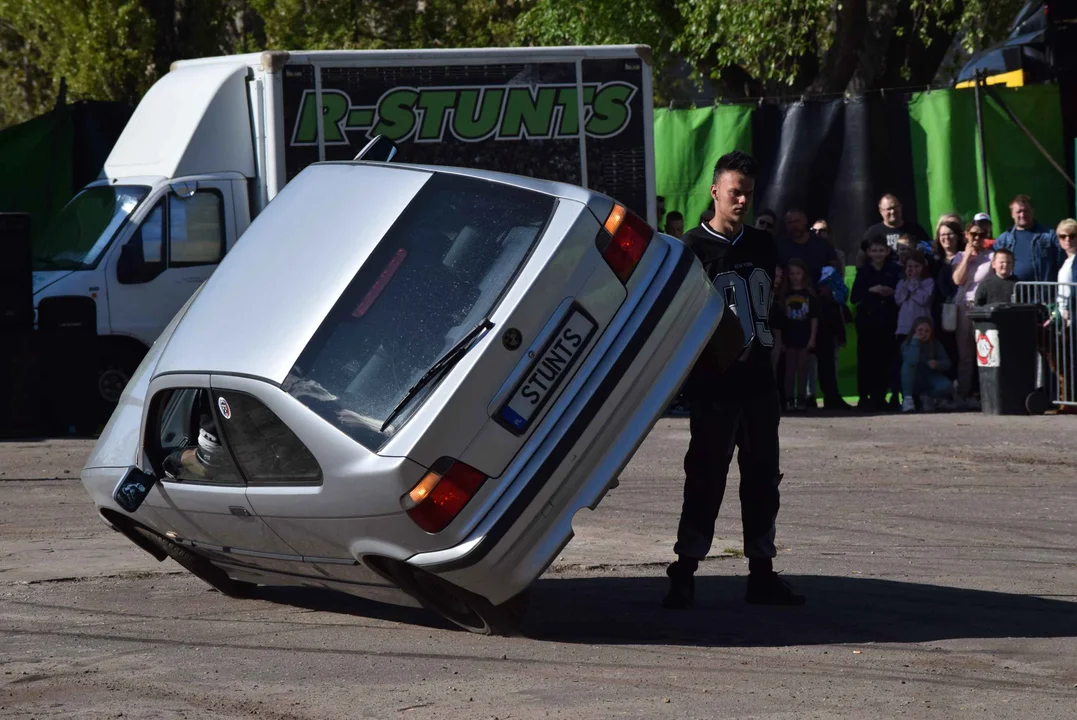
<point>765,212</point>
<point>673,215</point>
<point>735,161</point>
<point>878,240</point>
<point>1004,251</point>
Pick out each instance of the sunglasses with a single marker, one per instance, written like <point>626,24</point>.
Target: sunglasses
<point>1066,236</point>
<point>977,235</point>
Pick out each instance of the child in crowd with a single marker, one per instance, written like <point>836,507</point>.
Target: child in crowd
<point>876,323</point>
<point>913,294</point>
<point>800,324</point>
<point>924,363</point>
<point>997,288</point>
<point>906,247</point>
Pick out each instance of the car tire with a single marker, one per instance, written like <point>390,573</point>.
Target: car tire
<point>461,607</point>
<point>201,568</point>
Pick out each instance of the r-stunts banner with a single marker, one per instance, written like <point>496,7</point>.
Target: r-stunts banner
<point>522,119</point>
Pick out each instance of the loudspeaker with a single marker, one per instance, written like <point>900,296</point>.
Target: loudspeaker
<point>16,273</point>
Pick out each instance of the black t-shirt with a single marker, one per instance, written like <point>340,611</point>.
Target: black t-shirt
<point>742,269</point>
<point>816,253</point>
<point>890,235</point>
<point>800,307</point>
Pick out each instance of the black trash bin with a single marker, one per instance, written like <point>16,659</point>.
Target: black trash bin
<point>1007,355</point>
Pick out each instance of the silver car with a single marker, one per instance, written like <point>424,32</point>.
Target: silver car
<point>403,383</point>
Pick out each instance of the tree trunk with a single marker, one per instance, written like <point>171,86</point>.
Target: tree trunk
<point>840,62</point>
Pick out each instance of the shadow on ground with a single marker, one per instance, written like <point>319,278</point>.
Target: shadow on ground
<point>614,610</point>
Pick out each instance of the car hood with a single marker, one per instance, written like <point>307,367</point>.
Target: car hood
<point>44,278</point>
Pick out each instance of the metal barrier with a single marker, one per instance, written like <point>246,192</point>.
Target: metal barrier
<point>1058,336</point>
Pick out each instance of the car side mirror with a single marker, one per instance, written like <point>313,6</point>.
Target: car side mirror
<point>133,489</point>
<point>132,268</point>
<point>380,149</point>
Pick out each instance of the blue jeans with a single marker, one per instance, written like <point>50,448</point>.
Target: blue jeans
<point>922,380</point>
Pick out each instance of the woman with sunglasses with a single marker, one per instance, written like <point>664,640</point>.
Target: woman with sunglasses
<point>949,241</point>
<point>971,266</point>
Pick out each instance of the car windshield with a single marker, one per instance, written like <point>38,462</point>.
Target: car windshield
<point>435,275</point>
<point>77,236</point>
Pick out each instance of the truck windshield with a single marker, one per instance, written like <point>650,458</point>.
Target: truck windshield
<point>75,238</point>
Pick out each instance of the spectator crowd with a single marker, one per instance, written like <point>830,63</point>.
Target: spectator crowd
<point>911,302</point>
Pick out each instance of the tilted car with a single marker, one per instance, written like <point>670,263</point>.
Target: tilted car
<point>403,383</point>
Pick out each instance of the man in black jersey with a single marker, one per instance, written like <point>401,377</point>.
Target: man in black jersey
<point>733,396</point>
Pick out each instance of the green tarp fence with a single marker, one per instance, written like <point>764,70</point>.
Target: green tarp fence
<point>36,166</point>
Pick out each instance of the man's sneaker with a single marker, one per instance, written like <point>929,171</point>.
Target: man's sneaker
<point>908,404</point>
<point>769,589</point>
<point>682,588</point>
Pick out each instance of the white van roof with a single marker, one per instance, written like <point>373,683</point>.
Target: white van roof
<point>192,121</point>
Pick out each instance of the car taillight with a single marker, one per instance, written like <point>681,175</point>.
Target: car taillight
<point>442,494</point>
<point>624,241</point>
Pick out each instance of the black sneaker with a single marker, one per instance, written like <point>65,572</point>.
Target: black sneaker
<point>682,588</point>
<point>769,589</point>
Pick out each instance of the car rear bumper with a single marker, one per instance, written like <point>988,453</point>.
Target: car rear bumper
<point>575,462</point>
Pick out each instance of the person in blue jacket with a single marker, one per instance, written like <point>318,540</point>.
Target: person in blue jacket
<point>1037,255</point>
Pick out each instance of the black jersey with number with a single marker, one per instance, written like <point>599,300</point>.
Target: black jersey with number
<point>742,270</point>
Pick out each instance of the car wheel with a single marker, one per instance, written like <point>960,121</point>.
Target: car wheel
<point>201,568</point>
<point>461,607</point>
<point>114,370</point>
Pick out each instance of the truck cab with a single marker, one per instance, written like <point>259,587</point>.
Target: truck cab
<point>172,201</point>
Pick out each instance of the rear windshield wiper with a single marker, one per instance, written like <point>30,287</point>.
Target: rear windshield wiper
<point>445,362</point>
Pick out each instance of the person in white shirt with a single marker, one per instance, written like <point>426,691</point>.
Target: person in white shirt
<point>1065,347</point>
<point>1067,238</point>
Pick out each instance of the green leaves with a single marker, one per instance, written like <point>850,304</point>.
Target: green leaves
<point>115,49</point>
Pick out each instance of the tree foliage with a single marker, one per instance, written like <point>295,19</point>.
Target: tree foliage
<point>114,49</point>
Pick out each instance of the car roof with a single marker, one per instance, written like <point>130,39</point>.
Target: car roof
<point>260,307</point>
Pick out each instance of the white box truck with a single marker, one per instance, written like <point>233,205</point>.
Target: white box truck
<point>215,139</point>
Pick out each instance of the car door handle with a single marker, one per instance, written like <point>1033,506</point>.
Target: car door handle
<point>239,511</point>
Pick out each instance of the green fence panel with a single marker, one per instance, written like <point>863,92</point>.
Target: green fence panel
<point>946,160</point>
<point>687,143</point>
<point>37,172</point>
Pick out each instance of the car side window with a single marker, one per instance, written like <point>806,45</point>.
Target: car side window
<point>152,233</point>
<point>266,450</point>
<point>196,229</point>
<point>184,442</point>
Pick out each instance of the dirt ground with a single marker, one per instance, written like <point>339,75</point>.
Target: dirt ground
<point>938,553</point>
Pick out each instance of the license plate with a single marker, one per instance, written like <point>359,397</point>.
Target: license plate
<point>545,374</point>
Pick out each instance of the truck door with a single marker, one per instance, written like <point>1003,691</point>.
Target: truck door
<point>173,250</point>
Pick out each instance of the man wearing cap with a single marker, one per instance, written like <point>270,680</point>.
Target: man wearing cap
<point>1037,255</point>
<point>984,221</point>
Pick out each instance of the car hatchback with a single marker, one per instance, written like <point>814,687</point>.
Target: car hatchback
<point>403,383</point>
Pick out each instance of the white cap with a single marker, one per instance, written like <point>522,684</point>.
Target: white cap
<point>981,216</point>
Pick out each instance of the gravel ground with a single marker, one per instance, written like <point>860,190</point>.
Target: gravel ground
<point>938,553</point>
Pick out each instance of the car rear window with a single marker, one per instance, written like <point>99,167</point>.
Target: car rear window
<point>436,274</point>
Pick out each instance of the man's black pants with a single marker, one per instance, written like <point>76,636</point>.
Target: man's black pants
<point>750,426</point>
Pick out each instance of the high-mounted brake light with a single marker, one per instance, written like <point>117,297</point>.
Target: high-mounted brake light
<point>442,493</point>
<point>624,241</point>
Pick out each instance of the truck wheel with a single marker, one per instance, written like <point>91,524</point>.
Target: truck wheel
<point>201,568</point>
<point>461,607</point>
<point>114,370</point>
